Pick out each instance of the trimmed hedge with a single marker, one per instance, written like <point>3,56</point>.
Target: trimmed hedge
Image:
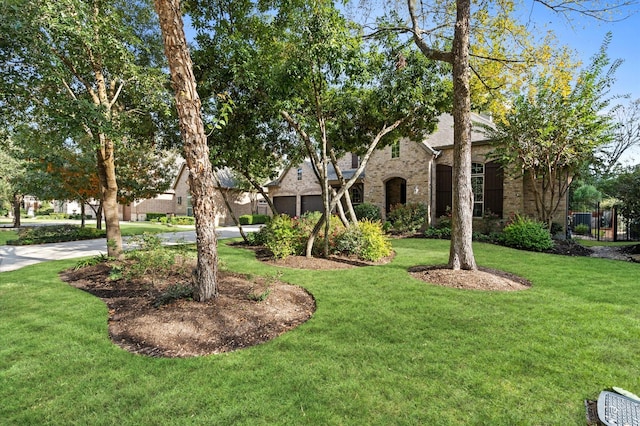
<point>55,234</point>
<point>253,219</point>
<point>157,216</point>
<point>527,234</point>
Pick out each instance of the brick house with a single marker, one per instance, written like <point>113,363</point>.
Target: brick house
<point>415,172</point>
<point>177,200</point>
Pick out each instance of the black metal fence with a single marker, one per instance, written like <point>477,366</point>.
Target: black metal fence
<point>603,224</point>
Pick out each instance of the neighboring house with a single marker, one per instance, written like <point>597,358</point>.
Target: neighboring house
<point>177,200</point>
<point>415,172</point>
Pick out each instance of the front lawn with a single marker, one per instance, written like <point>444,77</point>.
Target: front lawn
<point>6,235</point>
<point>593,243</point>
<point>382,348</point>
<point>73,232</point>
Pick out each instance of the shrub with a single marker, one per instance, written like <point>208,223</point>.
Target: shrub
<point>408,218</point>
<point>282,237</point>
<point>438,233</point>
<point>182,220</point>
<point>156,216</point>
<point>527,234</point>
<point>442,229</point>
<point>581,229</point>
<point>151,259</point>
<point>258,238</point>
<point>366,240</point>
<point>55,234</point>
<point>367,211</point>
<point>253,219</point>
<point>58,216</point>
<point>375,245</point>
<point>490,222</point>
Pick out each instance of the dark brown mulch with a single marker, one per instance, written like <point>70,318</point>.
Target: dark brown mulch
<point>480,279</point>
<point>569,248</point>
<point>184,328</point>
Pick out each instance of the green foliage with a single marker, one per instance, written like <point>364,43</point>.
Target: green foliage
<point>44,210</point>
<point>283,237</point>
<point>258,238</point>
<point>581,229</point>
<point>626,188</point>
<point>91,261</point>
<point>253,219</point>
<point>258,296</point>
<point>584,198</point>
<point>367,211</point>
<point>55,234</point>
<point>182,220</point>
<point>408,218</point>
<point>551,133</point>
<point>374,244</point>
<point>172,293</point>
<point>527,234</point>
<point>366,240</point>
<point>151,259</point>
<point>155,216</point>
<point>443,233</point>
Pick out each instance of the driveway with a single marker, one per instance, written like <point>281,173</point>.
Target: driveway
<point>16,257</point>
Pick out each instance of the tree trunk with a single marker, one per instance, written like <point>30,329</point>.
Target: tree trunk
<point>201,179</point>
<point>82,213</point>
<point>461,250</point>
<point>109,193</point>
<point>17,200</point>
<point>99,216</point>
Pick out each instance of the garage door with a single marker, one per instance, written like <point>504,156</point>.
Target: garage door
<point>311,203</point>
<point>285,205</point>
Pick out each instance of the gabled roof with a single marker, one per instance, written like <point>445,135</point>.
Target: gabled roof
<point>225,177</point>
<point>443,136</point>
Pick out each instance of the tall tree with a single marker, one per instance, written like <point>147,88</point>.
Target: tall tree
<point>461,252</point>
<point>551,131</point>
<point>71,63</point>
<point>303,67</point>
<point>12,171</point>
<point>232,64</point>
<point>196,151</point>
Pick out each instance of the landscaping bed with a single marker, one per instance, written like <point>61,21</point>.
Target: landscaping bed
<point>247,311</point>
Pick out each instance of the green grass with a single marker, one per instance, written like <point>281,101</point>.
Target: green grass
<point>127,229</point>
<point>6,235</point>
<point>593,243</point>
<point>382,348</point>
<point>137,228</point>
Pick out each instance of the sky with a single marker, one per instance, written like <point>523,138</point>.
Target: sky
<point>585,35</point>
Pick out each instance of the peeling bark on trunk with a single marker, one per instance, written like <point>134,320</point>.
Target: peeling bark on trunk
<point>461,250</point>
<point>109,193</point>
<point>201,179</point>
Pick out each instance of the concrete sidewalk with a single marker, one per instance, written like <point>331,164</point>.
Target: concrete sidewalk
<point>16,257</point>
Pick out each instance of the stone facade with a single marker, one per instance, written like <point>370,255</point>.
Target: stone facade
<point>409,175</point>
<point>297,182</point>
<point>413,165</point>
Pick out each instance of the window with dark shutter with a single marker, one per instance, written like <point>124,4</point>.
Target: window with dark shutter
<point>494,188</point>
<point>443,189</point>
